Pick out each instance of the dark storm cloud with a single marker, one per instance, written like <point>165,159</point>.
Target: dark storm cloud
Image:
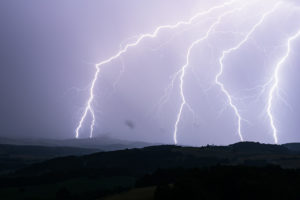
<point>130,124</point>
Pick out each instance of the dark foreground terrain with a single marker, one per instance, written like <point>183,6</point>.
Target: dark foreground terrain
<point>240,171</point>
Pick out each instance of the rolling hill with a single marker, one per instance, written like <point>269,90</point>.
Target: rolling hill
<point>106,173</point>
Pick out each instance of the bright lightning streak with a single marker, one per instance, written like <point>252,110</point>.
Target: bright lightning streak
<point>221,62</point>
<point>274,88</point>
<point>183,69</point>
<point>93,123</point>
<point>89,108</point>
<point>167,92</point>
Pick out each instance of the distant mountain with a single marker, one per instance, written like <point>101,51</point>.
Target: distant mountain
<point>14,157</point>
<point>18,153</point>
<point>103,143</point>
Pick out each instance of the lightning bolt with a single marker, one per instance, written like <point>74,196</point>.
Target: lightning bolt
<point>182,72</point>
<point>89,109</point>
<point>275,81</point>
<point>166,95</point>
<point>221,62</point>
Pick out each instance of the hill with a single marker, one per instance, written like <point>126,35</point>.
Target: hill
<point>146,160</point>
<point>293,146</point>
<point>104,173</point>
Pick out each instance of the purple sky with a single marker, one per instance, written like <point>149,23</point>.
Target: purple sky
<point>48,50</point>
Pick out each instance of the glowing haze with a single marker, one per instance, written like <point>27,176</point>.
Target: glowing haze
<point>193,72</point>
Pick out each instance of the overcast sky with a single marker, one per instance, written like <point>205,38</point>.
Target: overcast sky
<point>48,50</point>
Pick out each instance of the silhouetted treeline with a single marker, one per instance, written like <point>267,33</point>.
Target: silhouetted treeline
<point>243,171</point>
